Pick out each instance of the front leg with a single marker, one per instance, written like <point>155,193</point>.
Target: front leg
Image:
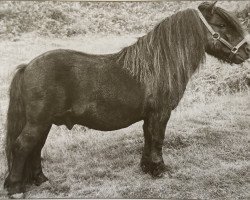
<point>145,160</point>
<point>154,132</point>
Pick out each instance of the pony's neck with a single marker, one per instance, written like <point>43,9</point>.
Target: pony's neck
<point>168,55</point>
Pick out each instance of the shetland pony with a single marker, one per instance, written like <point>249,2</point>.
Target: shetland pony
<point>144,81</point>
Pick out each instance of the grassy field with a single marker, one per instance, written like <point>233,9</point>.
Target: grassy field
<point>66,19</point>
<point>206,145</point>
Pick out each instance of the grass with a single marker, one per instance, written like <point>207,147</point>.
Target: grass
<point>207,158</point>
<point>206,144</point>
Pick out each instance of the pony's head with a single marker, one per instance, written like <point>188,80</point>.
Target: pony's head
<point>225,34</point>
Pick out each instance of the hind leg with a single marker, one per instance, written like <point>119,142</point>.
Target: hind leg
<point>38,175</point>
<point>31,136</point>
<point>33,168</point>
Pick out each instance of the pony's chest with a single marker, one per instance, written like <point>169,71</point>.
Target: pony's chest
<point>175,97</point>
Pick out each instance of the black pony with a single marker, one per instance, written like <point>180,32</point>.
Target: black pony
<point>144,81</point>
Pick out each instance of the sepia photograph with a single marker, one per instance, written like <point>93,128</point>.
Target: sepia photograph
<point>124,99</point>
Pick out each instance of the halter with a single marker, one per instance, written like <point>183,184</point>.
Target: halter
<point>216,36</point>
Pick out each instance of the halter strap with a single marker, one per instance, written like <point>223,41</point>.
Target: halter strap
<point>206,23</point>
<point>240,44</point>
<point>216,36</point>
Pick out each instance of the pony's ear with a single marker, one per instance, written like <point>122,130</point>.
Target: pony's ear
<point>207,7</point>
<point>211,7</point>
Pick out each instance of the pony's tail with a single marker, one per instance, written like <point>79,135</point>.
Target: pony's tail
<point>16,116</point>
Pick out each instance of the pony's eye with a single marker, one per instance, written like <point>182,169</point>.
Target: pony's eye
<point>222,25</point>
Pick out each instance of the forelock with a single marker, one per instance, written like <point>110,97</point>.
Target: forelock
<point>230,19</point>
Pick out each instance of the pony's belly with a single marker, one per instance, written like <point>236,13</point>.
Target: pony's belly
<point>108,117</point>
<point>105,125</point>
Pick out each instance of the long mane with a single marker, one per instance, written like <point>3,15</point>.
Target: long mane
<point>168,55</point>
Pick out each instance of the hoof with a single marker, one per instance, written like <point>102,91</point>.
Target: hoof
<point>17,196</point>
<point>13,188</point>
<point>145,166</point>
<point>39,179</point>
<point>158,170</point>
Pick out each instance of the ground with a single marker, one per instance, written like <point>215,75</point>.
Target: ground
<point>206,146</point>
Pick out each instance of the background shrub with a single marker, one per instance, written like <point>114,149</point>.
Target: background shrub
<point>52,18</point>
